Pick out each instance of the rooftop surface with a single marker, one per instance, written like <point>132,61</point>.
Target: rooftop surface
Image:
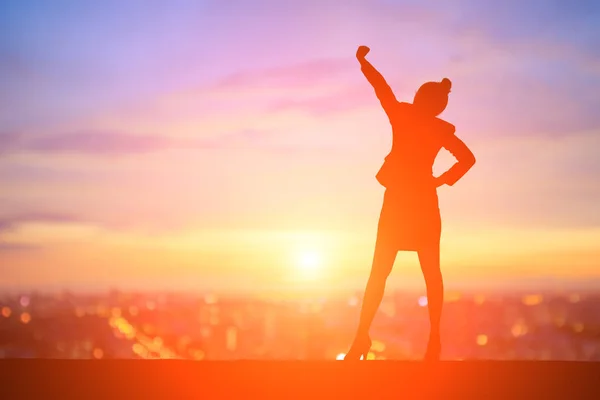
<point>175,379</point>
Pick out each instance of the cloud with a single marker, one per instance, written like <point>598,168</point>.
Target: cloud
<point>298,75</point>
<point>10,222</point>
<point>13,247</point>
<point>110,144</point>
<point>330,103</point>
<point>252,91</point>
<point>122,143</point>
<point>572,24</point>
<point>9,141</point>
<point>244,138</point>
<point>106,143</point>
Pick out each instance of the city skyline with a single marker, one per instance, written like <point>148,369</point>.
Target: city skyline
<point>198,141</point>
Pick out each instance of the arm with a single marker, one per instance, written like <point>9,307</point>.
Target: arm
<point>465,160</point>
<point>382,89</point>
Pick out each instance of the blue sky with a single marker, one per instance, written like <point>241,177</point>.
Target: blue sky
<point>163,118</point>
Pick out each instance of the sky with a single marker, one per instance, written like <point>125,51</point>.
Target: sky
<point>235,144</point>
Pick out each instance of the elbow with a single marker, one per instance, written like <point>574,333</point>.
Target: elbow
<point>470,161</point>
<point>466,163</point>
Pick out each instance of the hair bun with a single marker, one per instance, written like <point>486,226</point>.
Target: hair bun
<point>446,85</point>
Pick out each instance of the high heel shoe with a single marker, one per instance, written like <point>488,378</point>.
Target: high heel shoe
<point>360,348</point>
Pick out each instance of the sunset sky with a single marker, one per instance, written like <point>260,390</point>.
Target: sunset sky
<point>235,144</point>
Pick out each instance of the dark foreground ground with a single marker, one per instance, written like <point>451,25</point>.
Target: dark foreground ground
<point>172,379</point>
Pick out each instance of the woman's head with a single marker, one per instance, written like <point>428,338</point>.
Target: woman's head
<point>432,97</point>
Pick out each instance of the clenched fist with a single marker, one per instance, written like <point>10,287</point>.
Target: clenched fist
<point>362,52</point>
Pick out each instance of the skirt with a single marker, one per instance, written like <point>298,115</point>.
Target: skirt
<point>410,219</point>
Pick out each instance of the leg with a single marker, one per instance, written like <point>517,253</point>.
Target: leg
<point>429,259</point>
<point>383,261</point>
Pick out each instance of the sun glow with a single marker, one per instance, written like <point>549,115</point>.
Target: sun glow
<point>309,260</point>
<point>309,263</point>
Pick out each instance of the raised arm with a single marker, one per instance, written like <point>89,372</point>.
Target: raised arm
<point>382,90</point>
<point>465,160</point>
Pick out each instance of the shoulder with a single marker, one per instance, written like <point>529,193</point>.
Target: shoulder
<point>445,127</point>
<point>403,108</point>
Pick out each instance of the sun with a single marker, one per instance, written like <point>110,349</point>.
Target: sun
<point>309,263</point>
<point>309,260</point>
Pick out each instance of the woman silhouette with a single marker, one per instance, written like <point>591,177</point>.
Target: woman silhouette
<point>410,216</point>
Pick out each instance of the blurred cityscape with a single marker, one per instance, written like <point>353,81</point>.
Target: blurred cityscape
<point>543,326</point>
